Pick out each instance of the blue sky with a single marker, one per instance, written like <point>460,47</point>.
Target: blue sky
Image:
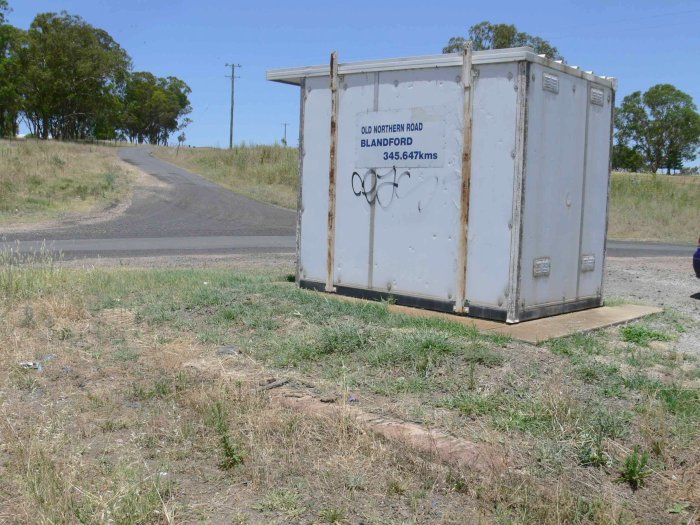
<point>642,42</point>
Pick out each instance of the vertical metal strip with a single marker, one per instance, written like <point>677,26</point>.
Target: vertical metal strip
<point>522,82</point>
<point>607,205</point>
<point>330,260</point>
<point>467,82</point>
<point>583,189</point>
<point>300,202</point>
<point>373,203</point>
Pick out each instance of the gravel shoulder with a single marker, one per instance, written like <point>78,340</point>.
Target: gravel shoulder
<point>668,282</point>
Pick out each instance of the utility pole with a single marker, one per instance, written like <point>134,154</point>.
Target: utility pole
<point>233,84</point>
<point>284,140</point>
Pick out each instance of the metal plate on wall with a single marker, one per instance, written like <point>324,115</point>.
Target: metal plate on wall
<point>541,267</point>
<point>550,82</point>
<point>587,263</point>
<point>597,96</point>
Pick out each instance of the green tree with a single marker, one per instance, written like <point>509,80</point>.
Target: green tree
<point>74,74</point>
<point>4,9</point>
<point>662,125</point>
<point>626,158</point>
<point>11,40</point>
<point>486,35</point>
<point>154,107</point>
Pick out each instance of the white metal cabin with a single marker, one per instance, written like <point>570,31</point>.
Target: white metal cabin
<point>503,218</point>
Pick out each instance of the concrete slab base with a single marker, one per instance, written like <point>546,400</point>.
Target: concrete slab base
<point>540,330</point>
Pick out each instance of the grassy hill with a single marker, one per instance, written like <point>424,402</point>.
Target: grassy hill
<point>264,173</point>
<point>42,180</point>
<point>655,207</point>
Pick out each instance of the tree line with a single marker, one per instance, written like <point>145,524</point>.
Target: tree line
<point>68,80</point>
<point>655,130</point>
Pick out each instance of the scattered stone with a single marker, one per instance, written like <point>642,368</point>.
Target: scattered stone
<point>352,398</point>
<point>31,365</point>
<point>275,384</point>
<point>228,350</point>
<point>295,395</point>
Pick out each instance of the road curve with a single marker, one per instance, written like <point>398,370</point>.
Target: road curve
<point>184,214</point>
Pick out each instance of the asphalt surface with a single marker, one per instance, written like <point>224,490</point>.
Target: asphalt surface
<point>187,214</point>
<point>649,249</point>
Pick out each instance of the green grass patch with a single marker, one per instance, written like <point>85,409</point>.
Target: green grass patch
<point>642,335</point>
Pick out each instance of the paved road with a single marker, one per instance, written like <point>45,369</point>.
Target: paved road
<point>649,249</point>
<point>186,214</point>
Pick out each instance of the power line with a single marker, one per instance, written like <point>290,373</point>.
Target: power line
<point>233,85</point>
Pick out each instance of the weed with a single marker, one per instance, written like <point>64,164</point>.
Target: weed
<point>680,400</point>
<point>473,403</point>
<point>395,486</point>
<point>285,501</point>
<point>228,314</point>
<point>634,469</point>
<point>355,482</point>
<point>331,515</point>
<point>161,388</point>
<point>64,333</point>
<point>591,343</point>
<point>111,425</point>
<point>471,381</point>
<point>456,481</point>
<point>125,354</point>
<point>27,320</point>
<point>605,425</point>
<point>592,452</point>
<point>642,335</point>
<point>23,379</point>
<point>595,372</point>
<point>232,455</point>
<point>342,338</point>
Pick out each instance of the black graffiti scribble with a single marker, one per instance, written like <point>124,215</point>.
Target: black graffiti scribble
<point>373,186</point>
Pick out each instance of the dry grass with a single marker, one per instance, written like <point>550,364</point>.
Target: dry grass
<point>41,180</point>
<point>135,417</point>
<point>655,208</point>
<point>264,173</point>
